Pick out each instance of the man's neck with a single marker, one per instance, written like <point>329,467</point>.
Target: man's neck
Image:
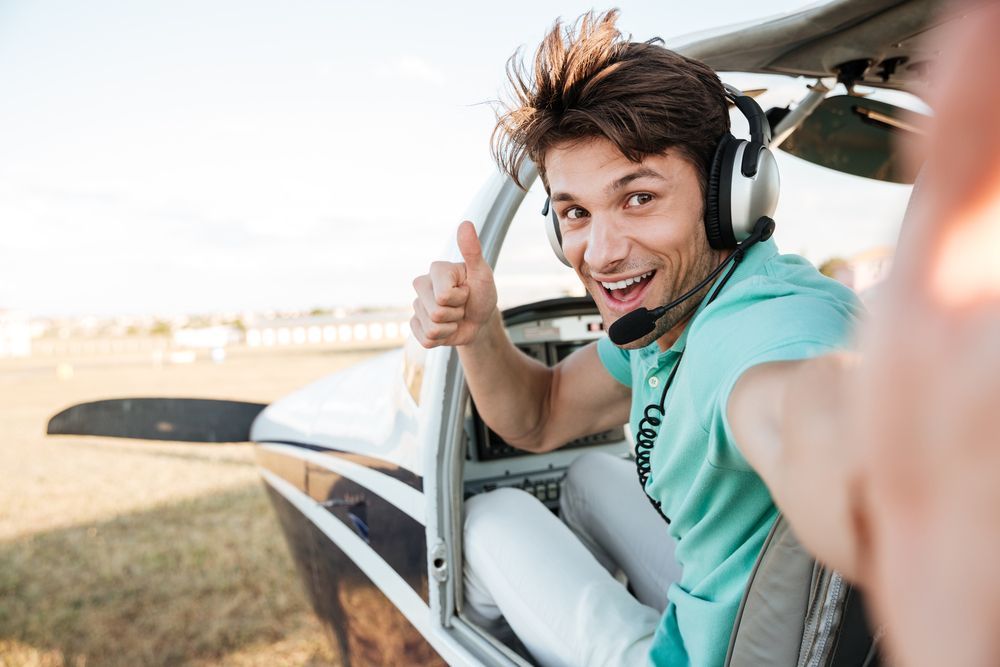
<point>666,341</point>
<point>670,337</point>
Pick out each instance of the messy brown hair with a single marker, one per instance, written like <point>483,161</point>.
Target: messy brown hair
<point>589,80</point>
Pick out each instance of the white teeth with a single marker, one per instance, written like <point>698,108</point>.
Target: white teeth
<point>622,284</point>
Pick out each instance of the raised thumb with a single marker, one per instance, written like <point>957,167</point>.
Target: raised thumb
<point>472,251</point>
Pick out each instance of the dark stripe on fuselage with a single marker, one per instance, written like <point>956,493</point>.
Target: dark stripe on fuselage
<point>399,473</point>
<point>392,533</point>
<point>367,627</point>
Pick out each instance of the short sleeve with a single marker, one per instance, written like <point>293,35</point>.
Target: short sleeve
<point>803,349</point>
<point>788,328</point>
<point>615,360</point>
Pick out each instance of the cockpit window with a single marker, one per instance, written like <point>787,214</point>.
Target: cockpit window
<point>527,270</point>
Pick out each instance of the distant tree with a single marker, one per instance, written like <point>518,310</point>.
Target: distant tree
<point>839,269</point>
<point>830,267</point>
<point>161,328</point>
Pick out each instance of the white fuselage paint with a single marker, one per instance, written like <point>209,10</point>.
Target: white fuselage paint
<point>364,409</point>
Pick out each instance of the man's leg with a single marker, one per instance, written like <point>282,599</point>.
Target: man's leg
<point>602,503</point>
<point>521,562</point>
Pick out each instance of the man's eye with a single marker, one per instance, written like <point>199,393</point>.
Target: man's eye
<point>574,213</point>
<point>639,199</point>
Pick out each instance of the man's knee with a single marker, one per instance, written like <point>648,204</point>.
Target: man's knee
<point>493,515</point>
<point>588,472</point>
<point>589,468</point>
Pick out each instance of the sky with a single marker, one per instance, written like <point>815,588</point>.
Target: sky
<point>191,156</point>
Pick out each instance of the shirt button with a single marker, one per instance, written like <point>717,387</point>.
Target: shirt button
<point>654,382</point>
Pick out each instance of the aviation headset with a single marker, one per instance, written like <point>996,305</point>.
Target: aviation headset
<point>743,183</point>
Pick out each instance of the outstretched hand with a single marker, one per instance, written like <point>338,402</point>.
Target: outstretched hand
<point>455,299</point>
<point>929,388</point>
<point>915,443</point>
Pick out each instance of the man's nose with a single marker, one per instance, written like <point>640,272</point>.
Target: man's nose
<point>606,246</point>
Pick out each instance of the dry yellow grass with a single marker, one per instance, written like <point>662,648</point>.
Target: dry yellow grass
<point>117,552</point>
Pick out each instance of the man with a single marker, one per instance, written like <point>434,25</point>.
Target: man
<point>625,136</point>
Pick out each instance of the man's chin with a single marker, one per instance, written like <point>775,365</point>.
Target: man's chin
<point>640,342</point>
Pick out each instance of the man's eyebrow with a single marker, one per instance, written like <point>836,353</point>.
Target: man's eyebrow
<point>641,172</point>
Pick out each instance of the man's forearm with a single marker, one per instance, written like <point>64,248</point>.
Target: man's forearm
<point>510,388</point>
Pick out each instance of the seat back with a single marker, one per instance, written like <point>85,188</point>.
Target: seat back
<point>797,613</point>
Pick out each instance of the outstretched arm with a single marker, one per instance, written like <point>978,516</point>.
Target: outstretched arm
<point>889,468</point>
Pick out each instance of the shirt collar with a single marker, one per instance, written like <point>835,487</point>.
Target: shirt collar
<point>752,263</point>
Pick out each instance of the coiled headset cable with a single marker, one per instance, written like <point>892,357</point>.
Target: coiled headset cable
<point>653,415</point>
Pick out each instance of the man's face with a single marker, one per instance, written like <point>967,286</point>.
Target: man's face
<point>632,231</point>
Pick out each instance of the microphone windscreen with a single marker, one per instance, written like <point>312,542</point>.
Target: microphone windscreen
<point>632,326</point>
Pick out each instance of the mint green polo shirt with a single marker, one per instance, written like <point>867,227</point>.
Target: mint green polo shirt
<point>774,308</point>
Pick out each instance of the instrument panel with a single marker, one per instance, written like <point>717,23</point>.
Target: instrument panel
<point>547,331</point>
<point>491,446</point>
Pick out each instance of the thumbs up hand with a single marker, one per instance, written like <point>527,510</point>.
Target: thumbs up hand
<point>455,299</point>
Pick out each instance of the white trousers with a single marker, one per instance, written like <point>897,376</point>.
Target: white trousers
<point>553,582</point>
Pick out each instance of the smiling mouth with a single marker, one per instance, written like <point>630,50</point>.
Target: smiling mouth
<point>624,290</point>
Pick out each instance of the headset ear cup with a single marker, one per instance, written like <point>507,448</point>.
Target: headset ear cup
<point>716,205</point>
<point>554,234</point>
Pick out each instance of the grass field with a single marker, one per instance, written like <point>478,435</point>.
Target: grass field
<point>118,552</point>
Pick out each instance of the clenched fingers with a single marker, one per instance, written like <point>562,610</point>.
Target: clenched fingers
<point>453,308</point>
<point>428,332</point>
<point>447,280</point>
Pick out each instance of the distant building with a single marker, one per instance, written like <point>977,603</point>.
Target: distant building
<point>360,330</point>
<point>15,334</point>
<point>207,337</point>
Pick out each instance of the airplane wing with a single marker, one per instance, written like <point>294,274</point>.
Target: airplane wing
<point>870,42</point>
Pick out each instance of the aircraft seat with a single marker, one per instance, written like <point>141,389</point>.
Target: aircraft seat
<point>797,613</point>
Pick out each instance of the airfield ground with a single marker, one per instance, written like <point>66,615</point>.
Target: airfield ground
<point>118,552</point>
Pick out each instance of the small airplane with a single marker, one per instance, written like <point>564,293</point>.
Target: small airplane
<point>368,469</point>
